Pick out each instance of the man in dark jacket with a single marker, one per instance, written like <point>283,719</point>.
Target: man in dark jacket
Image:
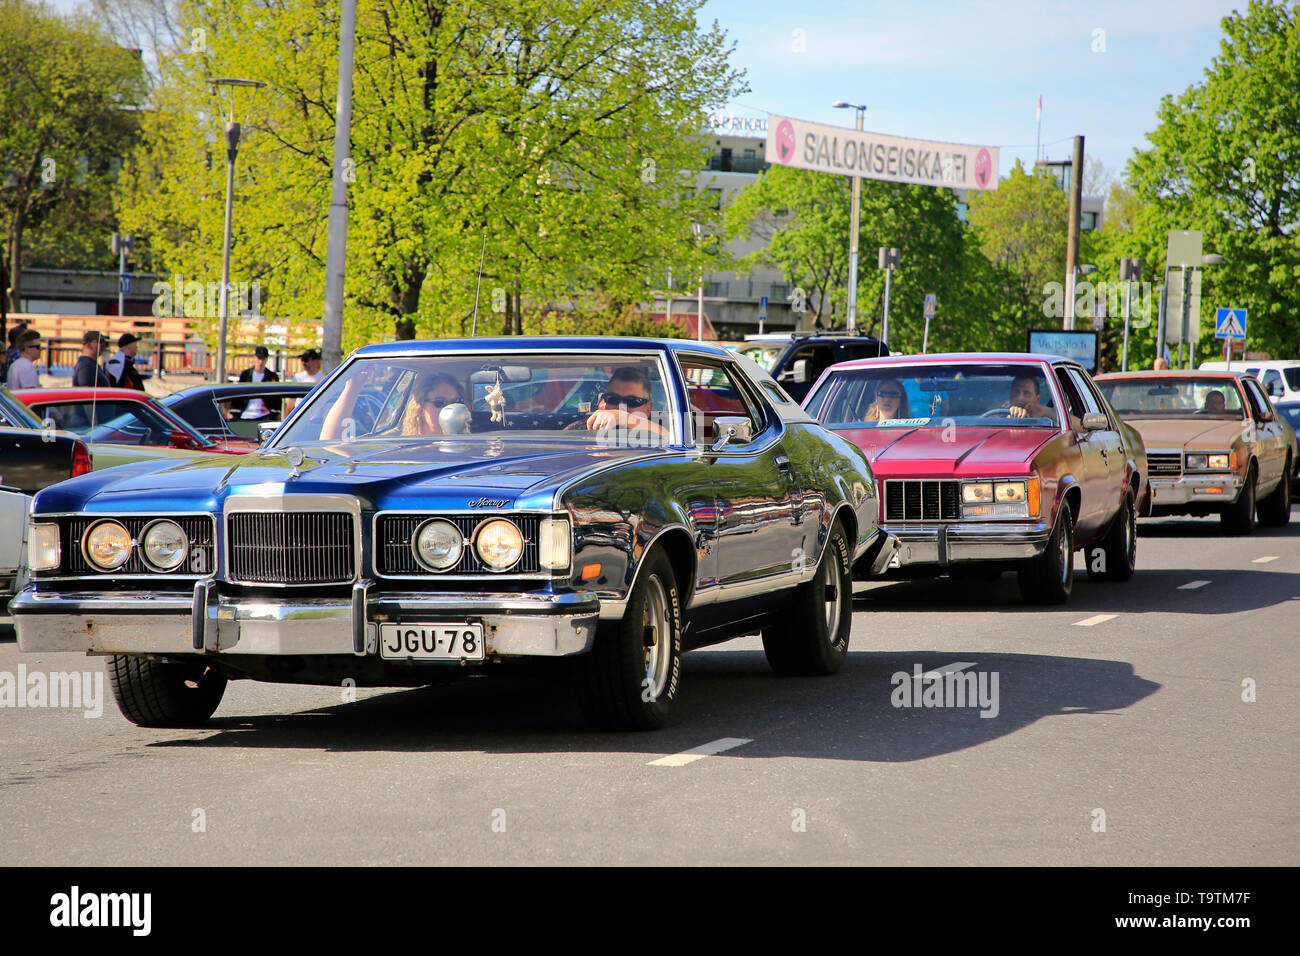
<point>121,368</point>
<point>255,408</point>
<point>88,371</point>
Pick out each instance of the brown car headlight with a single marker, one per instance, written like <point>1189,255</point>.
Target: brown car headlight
<point>1196,462</point>
<point>107,545</point>
<point>499,544</point>
<point>1218,462</point>
<point>165,545</point>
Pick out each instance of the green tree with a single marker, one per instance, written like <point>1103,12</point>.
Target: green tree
<point>557,133</point>
<point>67,115</point>
<point>1224,161</point>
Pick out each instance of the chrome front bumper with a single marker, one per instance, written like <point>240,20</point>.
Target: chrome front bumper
<point>1191,489</point>
<point>945,544</point>
<point>514,625</point>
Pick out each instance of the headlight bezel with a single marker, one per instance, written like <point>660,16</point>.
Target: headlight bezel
<point>999,497</point>
<point>1205,461</point>
<point>143,545</point>
<point>419,555</point>
<point>89,534</point>
<point>484,527</point>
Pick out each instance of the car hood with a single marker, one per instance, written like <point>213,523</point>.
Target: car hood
<point>1180,432</point>
<point>962,452</point>
<point>450,474</point>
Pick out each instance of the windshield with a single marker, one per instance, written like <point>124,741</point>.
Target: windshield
<point>935,396</point>
<point>118,423</point>
<point>546,395</point>
<point>764,355</point>
<point>15,414</point>
<point>1167,397</point>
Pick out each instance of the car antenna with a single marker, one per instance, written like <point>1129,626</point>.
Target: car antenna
<point>482,252</point>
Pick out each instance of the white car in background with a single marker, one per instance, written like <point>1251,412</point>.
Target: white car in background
<point>1281,380</point>
<point>14,508</point>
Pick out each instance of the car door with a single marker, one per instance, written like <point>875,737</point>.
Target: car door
<point>760,509</point>
<point>1271,441</point>
<point>1091,469</point>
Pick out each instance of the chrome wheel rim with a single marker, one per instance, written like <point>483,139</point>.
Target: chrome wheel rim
<point>1063,554</point>
<point>658,638</point>
<point>832,592</point>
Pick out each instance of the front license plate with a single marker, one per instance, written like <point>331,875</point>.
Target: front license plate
<point>431,642</point>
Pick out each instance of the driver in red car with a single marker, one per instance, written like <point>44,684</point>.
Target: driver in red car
<point>1026,399</point>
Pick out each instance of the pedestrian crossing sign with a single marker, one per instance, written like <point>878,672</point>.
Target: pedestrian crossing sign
<point>1230,324</point>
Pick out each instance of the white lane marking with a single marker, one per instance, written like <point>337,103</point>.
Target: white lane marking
<point>1095,619</point>
<point>952,668</point>
<point>700,752</point>
<point>1265,560</point>
<point>1192,585</point>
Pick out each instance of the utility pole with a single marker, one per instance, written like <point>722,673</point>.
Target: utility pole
<point>336,246</point>
<point>1072,233</point>
<point>888,259</point>
<point>852,319</point>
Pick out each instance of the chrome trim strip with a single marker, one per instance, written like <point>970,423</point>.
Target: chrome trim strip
<point>360,599</point>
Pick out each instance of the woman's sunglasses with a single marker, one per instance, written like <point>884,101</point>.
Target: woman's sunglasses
<point>437,402</point>
<point>889,394</point>
<point>613,399</point>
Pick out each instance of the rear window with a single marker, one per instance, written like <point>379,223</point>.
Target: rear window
<point>1292,376</point>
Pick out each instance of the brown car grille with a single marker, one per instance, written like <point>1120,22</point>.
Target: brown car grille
<point>909,499</point>
<point>1164,464</point>
<point>291,547</point>
<point>198,528</point>
<point>394,555</point>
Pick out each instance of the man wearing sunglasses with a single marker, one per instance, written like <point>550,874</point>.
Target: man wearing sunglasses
<point>626,403</point>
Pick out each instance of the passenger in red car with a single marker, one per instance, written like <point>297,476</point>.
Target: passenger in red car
<point>890,401</point>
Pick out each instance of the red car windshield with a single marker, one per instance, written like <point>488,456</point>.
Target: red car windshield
<point>935,396</point>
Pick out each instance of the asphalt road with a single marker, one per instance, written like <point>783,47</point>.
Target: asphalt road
<point>1126,702</point>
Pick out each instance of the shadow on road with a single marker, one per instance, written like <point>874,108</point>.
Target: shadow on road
<point>850,716</point>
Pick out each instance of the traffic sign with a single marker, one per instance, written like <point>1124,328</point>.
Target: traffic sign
<point>124,283</point>
<point>762,307</point>
<point>929,305</point>
<point>1230,324</point>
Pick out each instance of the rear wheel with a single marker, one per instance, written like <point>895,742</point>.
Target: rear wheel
<point>164,693</point>
<point>629,681</point>
<point>810,636</point>
<point>1275,510</point>
<point>1239,517</point>
<point>1116,558</point>
<point>1049,578</point>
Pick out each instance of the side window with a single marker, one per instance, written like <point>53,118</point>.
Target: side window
<point>818,357</point>
<point>715,392</point>
<point>1091,400</point>
<point>1071,398</point>
<point>1273,382</point>
<point>1258,403</point>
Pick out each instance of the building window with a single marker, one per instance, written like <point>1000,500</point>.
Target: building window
<point>1087,221</point>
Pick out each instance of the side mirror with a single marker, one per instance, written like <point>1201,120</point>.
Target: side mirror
<point>1095,422</point>
<point>1274,390</point>
<point>265,430</point>
<point>731,431</point>
<point>800,372</point>
<point>180,439</point>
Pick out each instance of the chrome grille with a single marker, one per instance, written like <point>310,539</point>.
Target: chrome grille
<point>393,554</point>
<point>1163,464</point>
<point>909,499</point>
<point>291,547</point>
<point>200,529</point>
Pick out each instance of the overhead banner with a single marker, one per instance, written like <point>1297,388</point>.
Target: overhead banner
<point>896,159</point>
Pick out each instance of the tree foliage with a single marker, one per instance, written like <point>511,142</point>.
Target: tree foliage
<point>68,98</point>
<point>554,134</point>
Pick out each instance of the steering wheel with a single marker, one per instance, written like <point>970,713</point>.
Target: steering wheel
<point>997,413</point>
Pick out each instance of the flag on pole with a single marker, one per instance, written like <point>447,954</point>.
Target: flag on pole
<point>1038,117</point>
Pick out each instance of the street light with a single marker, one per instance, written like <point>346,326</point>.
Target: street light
<point>853,225</point>
<point>233,131</point>
<point>1084,269</point>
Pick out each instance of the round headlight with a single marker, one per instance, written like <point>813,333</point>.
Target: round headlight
<point>499,544</point>
<point>165,545</point>
<point>439,544</point>
<point>108,545</point>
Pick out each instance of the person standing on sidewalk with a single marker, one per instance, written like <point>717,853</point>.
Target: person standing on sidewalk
<point>22,371</point>
<point>121,367</point>
<point>89,372</point>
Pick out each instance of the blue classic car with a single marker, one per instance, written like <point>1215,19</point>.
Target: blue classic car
<point>448,503</point>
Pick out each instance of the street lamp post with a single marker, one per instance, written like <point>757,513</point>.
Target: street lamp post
<point>853,225</point>
<point>233,131</point>
<point>698,229</point>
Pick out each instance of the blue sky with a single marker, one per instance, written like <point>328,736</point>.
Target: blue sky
<point>971,72</point>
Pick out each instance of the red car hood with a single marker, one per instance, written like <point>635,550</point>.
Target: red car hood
<point>969,452</point>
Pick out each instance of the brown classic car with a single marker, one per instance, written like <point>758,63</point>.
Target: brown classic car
<point>1215,444</point>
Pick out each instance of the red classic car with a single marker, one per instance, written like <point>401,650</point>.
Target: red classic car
<point>122,416</point>
<point>992,462</point>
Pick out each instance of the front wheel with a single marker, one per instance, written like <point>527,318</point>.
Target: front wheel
<point>810,635</point>
<point>1275,509</point>
<point>630,679</point>
<point>1049,578</point>
<point>1239,517</point>
<point>1116,558</point>
<point>164,693</point>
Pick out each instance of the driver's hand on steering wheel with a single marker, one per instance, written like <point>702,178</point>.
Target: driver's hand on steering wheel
<point>1016,411</point>
<point>611,418</point>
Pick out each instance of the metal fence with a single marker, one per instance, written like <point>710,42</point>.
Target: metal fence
<point>161,358</point>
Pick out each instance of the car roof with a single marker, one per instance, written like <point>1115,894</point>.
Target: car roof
<point>990,358</point>
<point>84,392</point>
<point>1207,374</point>
<point>234,388</point>
<point>548,343</point>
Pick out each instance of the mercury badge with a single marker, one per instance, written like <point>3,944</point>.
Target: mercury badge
<point>295,457</point>
<point>488,503</point>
